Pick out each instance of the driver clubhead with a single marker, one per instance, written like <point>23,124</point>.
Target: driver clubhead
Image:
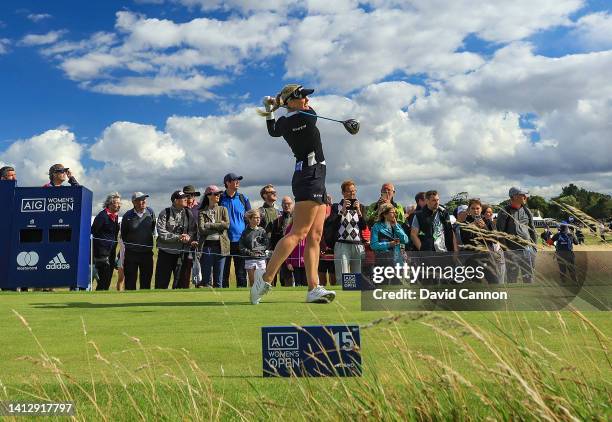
<point>351,126</point>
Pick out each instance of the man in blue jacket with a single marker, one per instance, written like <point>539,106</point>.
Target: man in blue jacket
<point>237,205</point>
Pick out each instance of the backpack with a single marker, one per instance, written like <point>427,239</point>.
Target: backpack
<point>564,243</point>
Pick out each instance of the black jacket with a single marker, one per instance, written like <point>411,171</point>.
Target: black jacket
<point>138,231</point>
<point>332,225</point>
<point>426,218</point>
<point>470,238</point>
<point>105,231</point>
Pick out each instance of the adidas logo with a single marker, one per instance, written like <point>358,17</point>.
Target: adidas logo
<point>58,263</point>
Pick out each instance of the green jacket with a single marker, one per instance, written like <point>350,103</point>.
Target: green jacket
<point>372,213</point>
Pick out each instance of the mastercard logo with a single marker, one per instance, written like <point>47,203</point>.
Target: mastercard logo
<point>27,259</point>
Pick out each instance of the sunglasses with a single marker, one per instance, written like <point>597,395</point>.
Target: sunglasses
<point>297,94</point>
<point>215,193</point>
<point>270,192</point>
<point>60,171</point>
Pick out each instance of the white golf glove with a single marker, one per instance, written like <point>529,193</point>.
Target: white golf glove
<point>268,103</point>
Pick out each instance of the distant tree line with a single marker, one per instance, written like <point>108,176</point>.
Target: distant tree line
<point>597,205</point>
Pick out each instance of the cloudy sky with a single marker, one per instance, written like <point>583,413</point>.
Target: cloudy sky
<point>454,95</point>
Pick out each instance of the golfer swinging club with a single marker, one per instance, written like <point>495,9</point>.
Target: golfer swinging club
<point>308,185</point>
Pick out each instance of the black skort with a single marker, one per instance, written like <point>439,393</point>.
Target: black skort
<point>308,184</point>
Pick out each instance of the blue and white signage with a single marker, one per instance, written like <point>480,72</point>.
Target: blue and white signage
<point>315,351</point>
<point>351,281</point>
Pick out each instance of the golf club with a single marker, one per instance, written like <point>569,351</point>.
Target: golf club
<point>351,125</point>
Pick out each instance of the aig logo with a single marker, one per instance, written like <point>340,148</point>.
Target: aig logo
<point>33,204</point>
<point>283,341</point>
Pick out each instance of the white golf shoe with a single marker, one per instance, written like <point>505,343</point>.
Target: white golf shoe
<point>320,295</point>
<point>259,288</point>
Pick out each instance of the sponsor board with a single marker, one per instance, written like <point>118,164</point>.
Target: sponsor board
<point>64,204</point>
<point>351,281</point>
<point>58,262</point>
<point>332,350</point>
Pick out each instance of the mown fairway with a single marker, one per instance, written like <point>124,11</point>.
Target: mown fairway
<point>197,354</point>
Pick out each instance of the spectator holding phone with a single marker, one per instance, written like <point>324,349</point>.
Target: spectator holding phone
<point>387,236</point>
<point>387,192</point>
<point>347,221</point>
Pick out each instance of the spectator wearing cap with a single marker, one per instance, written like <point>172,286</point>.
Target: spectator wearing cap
<point>8,173</point>
<point>194,207</point>
<point>237,205</point>
<point>387,192</point>
<point>137,228</point>
<point>58,175</point>
<point>213,223</point>
<point>176,233</point>
<point>104,231</point>
<point>516,220</point>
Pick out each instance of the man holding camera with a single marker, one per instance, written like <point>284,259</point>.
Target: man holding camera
<point>176,230</point>
<point>347,220</point>
<point>387,192</point>
<point>58,174</point>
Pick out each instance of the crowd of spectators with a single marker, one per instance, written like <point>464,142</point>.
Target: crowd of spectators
<point>197,241</point>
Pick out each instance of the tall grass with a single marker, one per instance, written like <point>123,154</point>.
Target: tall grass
<point>507,372</point>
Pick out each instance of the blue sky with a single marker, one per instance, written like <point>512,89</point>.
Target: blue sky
<point>442,76</point>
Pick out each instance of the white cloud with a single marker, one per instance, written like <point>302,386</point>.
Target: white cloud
<point>321,41</point>
<point>149,56</point>
<point>4,45</point>
<point>594,31</point>
<point>37,17</point>
<point>243,6</point>
<point>42,39</point>
<point>32,157</point>
<point>459,131</point>
<point>196,85</point>
<point>446,139</point>
<point>410,38</point>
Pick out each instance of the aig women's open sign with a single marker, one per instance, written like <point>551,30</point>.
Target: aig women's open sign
<point>52,204</point>
<point>315,351</point>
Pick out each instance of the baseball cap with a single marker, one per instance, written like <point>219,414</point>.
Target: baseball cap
<point>139,195</point>
<point>294,91</point>
<point>462,208</point>
<point>211,189</point>
<point>517,191</point>
<point>178,194</point>
<point>56,168</point>
<point>230,177</point>
<point>190,190</point>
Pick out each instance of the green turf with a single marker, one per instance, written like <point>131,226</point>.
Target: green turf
<point>221,333</point>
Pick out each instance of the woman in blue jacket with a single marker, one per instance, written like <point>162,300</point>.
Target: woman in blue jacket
<point>387,236</point>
